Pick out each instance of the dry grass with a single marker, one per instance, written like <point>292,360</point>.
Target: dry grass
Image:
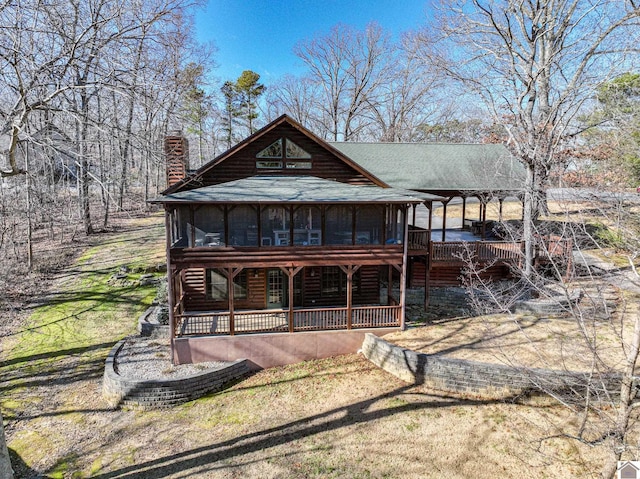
<point>334,418</point>
<point>524,340</point>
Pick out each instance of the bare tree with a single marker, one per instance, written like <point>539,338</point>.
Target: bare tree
<point>348,67</point>
<point>535,65</point>
<point>409,96</point>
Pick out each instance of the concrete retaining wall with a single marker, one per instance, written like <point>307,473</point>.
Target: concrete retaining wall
<point>476,378</point>
<point>121,391</point>
<point>272,349</point>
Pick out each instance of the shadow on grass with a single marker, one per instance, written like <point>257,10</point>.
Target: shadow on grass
<point>20,468</point>
<point>207,458</point>
<point>103,300</point>
<point>57,368</point>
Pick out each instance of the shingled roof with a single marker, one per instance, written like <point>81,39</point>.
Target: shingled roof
<point>291,189</point>
<point>437,167</point>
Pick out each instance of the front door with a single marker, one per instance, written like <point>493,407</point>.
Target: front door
<point>275,289</point>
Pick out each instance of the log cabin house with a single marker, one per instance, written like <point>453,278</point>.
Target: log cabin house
<point>287,247</point>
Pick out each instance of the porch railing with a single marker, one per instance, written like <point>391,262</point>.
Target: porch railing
<point>277,320</point>
<point>486,251</point>
<point>479,250</point>
<point>418,239</point>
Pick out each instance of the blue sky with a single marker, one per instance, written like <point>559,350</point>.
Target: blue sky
<point>259,35</point>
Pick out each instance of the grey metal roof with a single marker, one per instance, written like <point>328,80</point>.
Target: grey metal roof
<point>438,167</point>
<point>291,189</point>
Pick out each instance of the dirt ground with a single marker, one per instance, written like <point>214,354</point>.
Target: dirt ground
<point>334,418</point>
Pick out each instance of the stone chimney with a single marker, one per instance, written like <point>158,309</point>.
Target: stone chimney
<point>176,150</point>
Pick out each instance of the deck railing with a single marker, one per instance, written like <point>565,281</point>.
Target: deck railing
<point>478,250</point>
<point>277,320</point>
<point>418,239</point>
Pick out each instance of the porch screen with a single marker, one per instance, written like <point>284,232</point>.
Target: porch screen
<point>209,223</point>
<point>243,225</point>
<point>369,224</point>
<point>339,225</point>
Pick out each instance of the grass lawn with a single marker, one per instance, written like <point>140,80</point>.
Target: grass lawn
<point>332,418</point>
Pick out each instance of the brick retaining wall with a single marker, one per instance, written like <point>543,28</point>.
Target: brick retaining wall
<point>119,390</point>
<point>476,378</point>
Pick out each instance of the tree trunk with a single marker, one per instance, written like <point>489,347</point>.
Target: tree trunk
<point>625,405</point>
<point>5,463</point>
<point>528,214</point>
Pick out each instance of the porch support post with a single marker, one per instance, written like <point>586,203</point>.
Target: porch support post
<point>427,268</point>
<point>291,272</point>
<point>170,274</point>
<point>429,205</point>
<point>231,276</point>
<point>413,221</point>
<point>444,217</point>
<point>389,285</point>
<point>192,229</point>
<point>464,209</point>
<point>349,270</point>
<point>403,271</point>
<point>500,201</point>
<point>483,203</point>
<point>291,275</point>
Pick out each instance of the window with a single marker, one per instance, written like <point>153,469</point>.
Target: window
<point>294,151</point>
<point>274,150</point>
<point>334,281</point>
<point>277,152</point>
<point>268,165</point>
<point>217,289</point>
<point>298,165</point>
<point>331,280</point>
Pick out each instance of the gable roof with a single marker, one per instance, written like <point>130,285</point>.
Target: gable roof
<point>268,128</point>
<point>290,189</point>
<point>439,167</point>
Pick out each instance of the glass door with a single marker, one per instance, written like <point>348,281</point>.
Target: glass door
<point>275,289</point>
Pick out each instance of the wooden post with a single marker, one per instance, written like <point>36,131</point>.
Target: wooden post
<point>349,270</point>
<point>291,274</point>
<point>225,216</point>
<point>429,205</point>
<point>464,209</point>
<point>171,299</point>
<point>483,203</point>
<point>389,285</point>
<point>444,217</point>
<point>403,271</point>
<point>192,229</point>
<point>232,322</point>
<point>500,201</point>
<point>413,222</point>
